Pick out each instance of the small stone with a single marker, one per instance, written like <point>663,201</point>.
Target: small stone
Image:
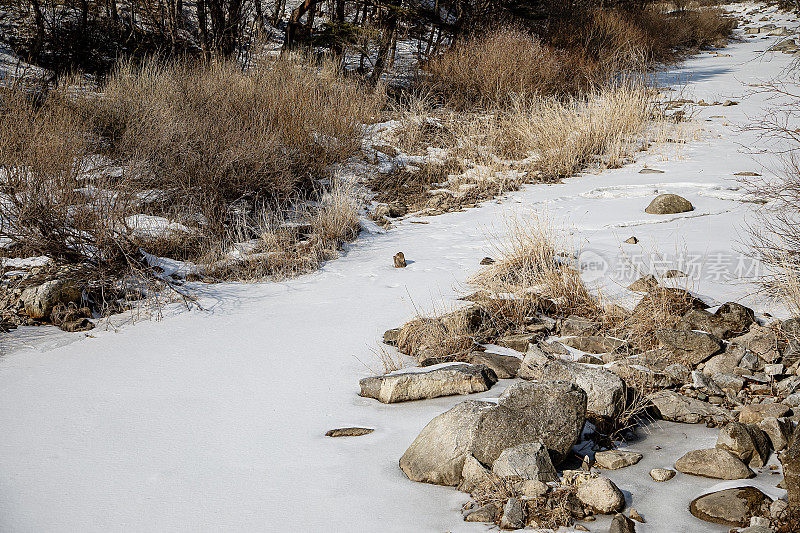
<point>531,488</point>
<point>631,240</point>
<point>349,432</point>
<point>662,474</point>
<point>399,260</point>
<point>643,284</point>
<point>774,369</point>
<point>673,273</point>
<point>728,103</point>
<point>667,204</point>
<point>650,171</point>
<point>484,513</point>
<point>634,515</point>
<point>504,366</point>
<point>487,261</point>
<point>616,459</point>
<point>777,508</point>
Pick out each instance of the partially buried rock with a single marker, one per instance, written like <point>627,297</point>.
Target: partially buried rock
<point>650,171</point>
<point>631,240</point>
<point>616,459</point>
<point>713,463</point>
<point>605,390</point>
<point>755,413</point>
<point>596,344</point>
<point>527,461</point>
<point>40,300</point>
<point>747,442</point>
<point>667,204</point>
<point>622,524</point>
<point>484,513</point>
<point>731,507</point>
<point>643,284</point>
<point>662,474</point>
<point>446,380</point>
<point>349,432</point>
<point>601,495</point>
<point>487,261</point>
<point>399,260</point>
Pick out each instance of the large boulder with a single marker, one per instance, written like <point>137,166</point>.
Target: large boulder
<point>679,408</point>
<point>690,347</point>
<point>725,362</point>
<point>552,413</point>
<point>596,344</point>
<point>747,442</point>
<point>504,366</point>
<point>527,461</point>
<point>616,459</point>
<point>446,380</point>
<point>790,459</point>
<point>731,507</point>
<point>778,430</point>
<point>667,204</point>
<point>605,391</point>
<point>714,463</point>
<point>40,300</point>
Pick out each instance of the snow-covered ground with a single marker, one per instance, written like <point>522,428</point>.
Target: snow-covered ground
<point>213,419</point>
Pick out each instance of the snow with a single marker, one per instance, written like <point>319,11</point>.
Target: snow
<point>149,226</point>
<point>214,418</point>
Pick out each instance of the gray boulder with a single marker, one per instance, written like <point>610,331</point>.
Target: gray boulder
<point>605,391</point>
<point>679,408</point>
<point>484,513</point>
<point>779,431</point>
<point>731,507</point>
<point>576,326</point>
<point>622,524</point>
<point>714,463</point>
<point>755,413</point>
<point>527,461</point>
<point>596,344</point>
<point>692,347</point>
<point>725,362</point>
<point>473,475</point>
<point>513,516</point>
<point>443,381</point>
<point>745,441</point>
<point>616,459</point>
<point>504,366</point>
<point>552,413</point>
<point>790,459</point>
<point>762,341</point>
<point>667,204</point>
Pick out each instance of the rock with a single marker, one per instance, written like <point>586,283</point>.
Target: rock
<point>605,391</point>
<point>728,103</point>
<point>639,376</point>
<point>739,316</point>
<point>631,240</point>
<point>40,300</point>
<point>650,171</point>
<point>616,459</point>
<point>531,488</point>
<point>777,508</point>
<point>755,413</point>
<point>731,507</point>
<point>667,204</point>
<point>622,524</point>
<point>596,344</point>
<point>519,343</point>
<point>487,261</point>
<point>726,361</point>
<point>760,340</point>
<point>643,284</point>
<point>713,463</point>
<point>634,515</point>
<point>672,273</point>
<point>757,529</point>
<point>504,366</point>
<point>443,381</point>
<point>679,408</point>
<point>678,371</point>
<point>528,461</point>
<point>662,474</point>
<point>779,431</point>
<point>473,475</point>
<point>399,260</point>
<point>747,442</point>
<point>439,452</point>
<point>513,514</point>
<point>790,459</point>
<point>484,513</point>
<point>349,432</point>
<point>602,495</point>
<point>692,347</point>
<point>729,382</point>
<point>552,413</point>
<point>397,209</point>
<point>578,326</point>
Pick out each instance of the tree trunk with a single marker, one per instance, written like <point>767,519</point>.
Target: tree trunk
<point>389,26</point>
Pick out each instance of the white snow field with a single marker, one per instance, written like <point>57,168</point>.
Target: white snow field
<point>214,419</point>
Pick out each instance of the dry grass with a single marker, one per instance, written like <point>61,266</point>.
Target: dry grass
<point>491,71</point>
<point>605,128</point>
<point>448,335</point>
